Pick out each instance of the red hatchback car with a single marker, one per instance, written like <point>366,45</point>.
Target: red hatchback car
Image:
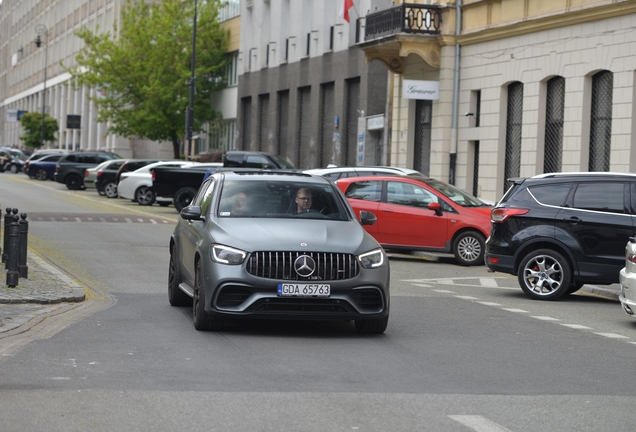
<point>421,214</point>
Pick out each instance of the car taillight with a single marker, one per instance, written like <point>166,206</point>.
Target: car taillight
<point>500,214</point>
<point>631,258</point>
<point>85,173</point>
<point>99,174</point>
<point>153,175</point>
<point>57,168</point>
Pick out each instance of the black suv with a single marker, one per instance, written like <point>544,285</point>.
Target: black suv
<point>559,231</point>
<point>71,168</point>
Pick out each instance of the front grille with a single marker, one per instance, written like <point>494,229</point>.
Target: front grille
<point>296,305</point>
<point>280,265</point>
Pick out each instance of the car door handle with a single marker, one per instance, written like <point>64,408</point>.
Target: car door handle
<point>573,220</point>
<point>387,211</point>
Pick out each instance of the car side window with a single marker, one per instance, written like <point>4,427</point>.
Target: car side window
<point>71,158</point>
<point>604,197</point>
<point>408,194</point>
<point>92,159</point>
<point>554,195</point>
<point>204,197</point>
<point>365,190</point>
<point>254,161</point>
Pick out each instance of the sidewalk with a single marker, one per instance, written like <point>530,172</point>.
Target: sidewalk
<point>45,290</point>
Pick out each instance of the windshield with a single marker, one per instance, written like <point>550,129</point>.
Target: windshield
<point>281,199</point>
<point>458,196</point>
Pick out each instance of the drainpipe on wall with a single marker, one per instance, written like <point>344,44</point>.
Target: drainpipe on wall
<point>453,151</point>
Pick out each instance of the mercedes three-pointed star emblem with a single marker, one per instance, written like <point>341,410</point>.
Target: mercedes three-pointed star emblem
<point>305,266</point>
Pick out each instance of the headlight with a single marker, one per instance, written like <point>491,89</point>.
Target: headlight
<point>372,259</point>
<point>226,255</point>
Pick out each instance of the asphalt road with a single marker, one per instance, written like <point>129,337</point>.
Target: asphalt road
<point>465,350</point>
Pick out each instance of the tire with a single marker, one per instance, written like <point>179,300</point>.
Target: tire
<point>544,274</point>
<point>372,326</point>
<point>110,189</point>
<point>73,182</point>
<point>202,321</point>
<point>144,196</point>
<point>41,174</point>
<point>14,169</point>
<point>176,297</point>
<point>183,197</point>
<point>163,203</point>
<point>575,287</point>
<point>101,193</point>
<point>469,248</point>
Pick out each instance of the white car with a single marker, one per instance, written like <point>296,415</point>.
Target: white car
<point>136,185</point>
<point>333,172</point>
<point>627,278</point>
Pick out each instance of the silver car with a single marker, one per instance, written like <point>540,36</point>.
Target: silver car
<point>627,278</point>
<point>276,245</point>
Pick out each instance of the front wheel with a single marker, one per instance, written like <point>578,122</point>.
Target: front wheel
<point>176,297</point>
<point>468,248</point>
<point>372,326</point>
<point>544,274</point>
<point>201,319</point>
<point>183,197</point>
<point>110,189</point>
<point>41,174</point>
<point>144,196</point>
<point>15,168</point>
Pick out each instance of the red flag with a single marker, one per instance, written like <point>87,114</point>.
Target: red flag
<point>344,9</point>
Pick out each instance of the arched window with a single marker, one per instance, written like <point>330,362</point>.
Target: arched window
<point>601,121</point>
<point>555,107</point>
<point>513,132</point>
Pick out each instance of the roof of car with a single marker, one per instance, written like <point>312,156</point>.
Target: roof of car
<point>583,174</point>
<point>252,174</point>
<point>388,169</point>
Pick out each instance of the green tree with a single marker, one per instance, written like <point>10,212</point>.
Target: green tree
<point>141,71</point>
<point>32,124</point>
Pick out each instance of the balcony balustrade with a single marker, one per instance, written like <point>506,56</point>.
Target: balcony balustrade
<point>404,18</point>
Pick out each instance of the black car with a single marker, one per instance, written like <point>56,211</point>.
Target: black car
<point>133,165</point>
<point>105,180</point>
<point>559,231</point>
<point>71,167</point>
<point>245,248</point>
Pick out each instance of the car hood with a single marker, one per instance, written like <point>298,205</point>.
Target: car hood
<point>291,235</point>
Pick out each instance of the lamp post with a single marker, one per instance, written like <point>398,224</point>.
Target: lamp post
<point>41,30</point>
<point>190,113</point>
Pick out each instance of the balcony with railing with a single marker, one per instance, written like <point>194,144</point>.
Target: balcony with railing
<point>404,18</point>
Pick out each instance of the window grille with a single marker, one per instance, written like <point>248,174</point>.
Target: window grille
<point>555,107</point>
<point>422,145</point>
<point>601,121</point>
<point>514,121</point>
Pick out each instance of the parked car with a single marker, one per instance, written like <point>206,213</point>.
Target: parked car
<point>254,159</point>
<point>44,167</point>
<point>137,185</point>
<point>627,279</point>
<point>39,154</point>
<point>559,231</point>
<point>273,264</point>
<point>133,165</point>
<point>421,214</point>
<point>105,180</point>
<point>334,173</point>
<point>90,175</point>
<point>12,159</point>
<point>71,167</point>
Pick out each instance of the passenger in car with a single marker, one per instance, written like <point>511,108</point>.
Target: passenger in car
<point>304,200</point>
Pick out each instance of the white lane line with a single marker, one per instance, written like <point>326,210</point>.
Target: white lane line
<point>445,291</point>
<point>490,303</point>
<point>423,285</point>
<point>128,220</point>
<point>612,335</point>
<point>478,423</point>
<point>466,297</point>
<point>577,326</point>
<point>140,219</point>
<point>78,219</point>
<point>515,310</point>
<point>153,221</point>
<point>489,282</point>
<point>545,318</point>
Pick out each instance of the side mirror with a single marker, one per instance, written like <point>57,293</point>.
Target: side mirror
<point>191,213</point>
<point>367,218</point>
<point>436,207</point>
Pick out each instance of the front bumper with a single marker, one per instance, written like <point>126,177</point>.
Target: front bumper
<point>242,295</point>
<point>628,291</point>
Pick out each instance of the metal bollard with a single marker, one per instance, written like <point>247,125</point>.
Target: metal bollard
<point>12,254</point>
<point>8,218</point>
<point>23,269</point>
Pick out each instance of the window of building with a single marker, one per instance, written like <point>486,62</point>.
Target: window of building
<point>601,121</point>
<point>222,134</point>
<point>230,9</point>
<point>555,107</point>
<point>514,121</point>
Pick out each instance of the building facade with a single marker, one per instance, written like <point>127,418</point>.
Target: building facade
<point>525,87</point>
<point>305,90</point>
<point>24,85</point>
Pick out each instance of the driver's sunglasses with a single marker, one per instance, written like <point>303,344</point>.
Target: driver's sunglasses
<point>304,198</point>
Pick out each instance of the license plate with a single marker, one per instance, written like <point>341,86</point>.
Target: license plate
<point>304,290</point>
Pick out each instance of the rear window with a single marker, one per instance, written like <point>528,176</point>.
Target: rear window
<point>553,195</point>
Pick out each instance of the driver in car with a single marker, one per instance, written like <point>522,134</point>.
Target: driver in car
<point>303,200</point>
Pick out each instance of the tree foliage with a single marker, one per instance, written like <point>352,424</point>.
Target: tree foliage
<point>141,70</point>
<point>32,124</point>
